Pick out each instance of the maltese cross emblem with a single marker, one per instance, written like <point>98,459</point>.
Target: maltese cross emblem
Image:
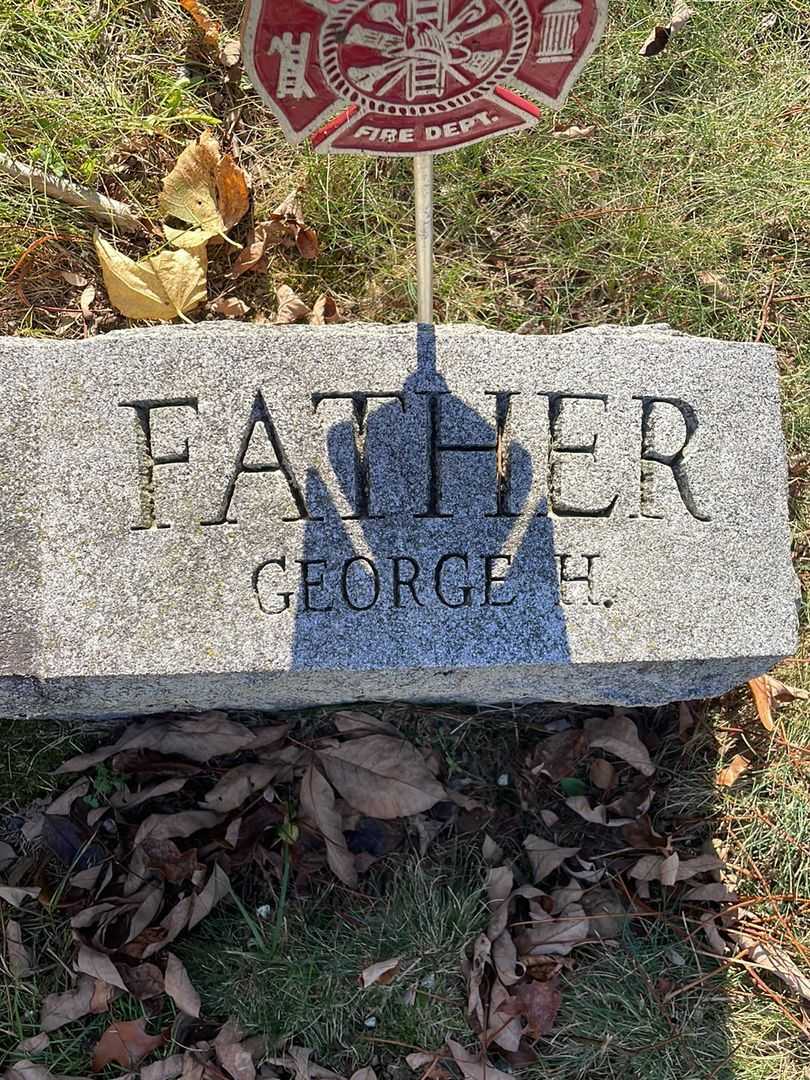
<point>414,76</point>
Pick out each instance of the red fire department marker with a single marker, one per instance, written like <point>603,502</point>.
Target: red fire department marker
<point>415,77</point>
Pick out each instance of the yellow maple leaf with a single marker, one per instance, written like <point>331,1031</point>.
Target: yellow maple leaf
<point>158,287</point>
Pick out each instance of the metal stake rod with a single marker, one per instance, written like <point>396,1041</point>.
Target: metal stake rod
<point>423,187</point>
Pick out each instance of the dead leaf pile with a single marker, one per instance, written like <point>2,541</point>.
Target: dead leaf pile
<point>513,968</point>
<point>292,309</point>
<point>206,194</point>
<point>558,758</point>
<point>204,1051</point>
<point>189,803</point>
<point>194,801</point>
<point>601,771</point>
<point>286,228</point>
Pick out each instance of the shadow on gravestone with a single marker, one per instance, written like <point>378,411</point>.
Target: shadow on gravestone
<point>427,577</point>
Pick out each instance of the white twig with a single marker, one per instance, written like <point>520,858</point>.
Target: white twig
<point>99,206</point>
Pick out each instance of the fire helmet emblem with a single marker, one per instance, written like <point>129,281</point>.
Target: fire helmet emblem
<point>414,76</point>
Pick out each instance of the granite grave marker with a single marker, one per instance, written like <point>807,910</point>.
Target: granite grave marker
<point>259,517</point>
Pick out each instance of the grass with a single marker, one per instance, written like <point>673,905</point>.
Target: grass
<point>689,204</point>
<point>31,750</point>
<point>305,987</point>
<point>696,166</point>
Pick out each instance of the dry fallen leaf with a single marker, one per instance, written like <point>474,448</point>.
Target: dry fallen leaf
<point>35,1045</point>
<point>158,287</point>
<point>763,699</point>
<point>428,1065</point>
<point>580,804</point>
<point>668,870</point>
<point>701,864</point>
<point>59,1009</point>
<point>165,857</point>
<point>634,800</point>
<point>476,969</point>
<point>713,937</point>
<point>130,799</point>
<point>77,280</point>
<point>656,41</point>
<point>86,300</point>
<point>324,311</point>
<point>500,1022</point>
<point>318,810</point>
<point>29,1070</point>
<point>297,1061</point>
<point>618,735</point>
<point>289,214</point>
<point>572,133</point>
<point>647,868</point>
<point>239,784</point>
<point>491,852</point>
<point>546,857</point>
<point>216,888</point>
<point>253,254</point>
<point>98,966</point>
<point>716,893</point>
<point>474,1066</point>
<point>230,306</point>
<point>210,26</point>
<point>766,691</point>
<point>207,190</point>
<point>382,776</point>
<point>681,14</point>
<point>351,722</point>
<point>231,1054</point>
<point>7,854</point>
<point>230,54</point>
<point>291,307</point>
<point>144,981</point>
<point>538,1003</point>
<point>606,912</point>
<point>554,936</point>
<point>736,767</point>
<point>201,738</point>
<point>500,882</point>
<point>383,972</point>
<point>19,961</point>
<point>126,1043</point>
<point>773,958</point>
<point>167,1068</point>
<point>183,823</point>
<point>561,753</point>
<point>179,988</point>
<point>602,774</point>
<point>641,834</point>
<point>687,719</point>
<point>285,228</point>
<point>659,36</point>
<point>714,285</point>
